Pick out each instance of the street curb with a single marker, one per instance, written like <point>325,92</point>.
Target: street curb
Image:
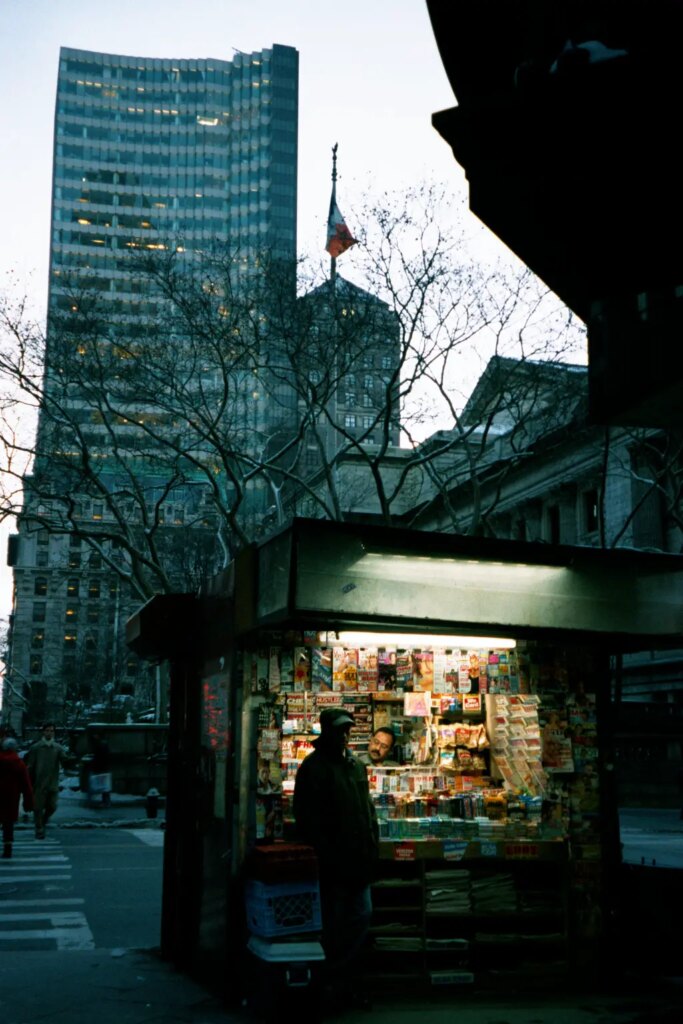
<point>117,823</point>
<point>633,831</point>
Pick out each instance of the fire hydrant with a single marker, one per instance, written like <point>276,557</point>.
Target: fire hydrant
<point>152,802</point>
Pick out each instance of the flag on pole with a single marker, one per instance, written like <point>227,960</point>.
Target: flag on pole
<point>339,238</point>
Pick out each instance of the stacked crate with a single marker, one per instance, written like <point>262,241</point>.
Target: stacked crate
<point>283,916</point>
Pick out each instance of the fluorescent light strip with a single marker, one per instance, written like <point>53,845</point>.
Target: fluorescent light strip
<point>418,640</point>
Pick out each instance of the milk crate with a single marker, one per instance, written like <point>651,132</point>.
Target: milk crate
<point>282,862</point>
<point>284,908</point>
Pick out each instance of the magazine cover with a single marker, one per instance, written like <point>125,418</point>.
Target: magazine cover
<point>439,670</point>
<point>274,669</point>
<point>556,744</point>
<point>464,678</point>
<point>321,668</point>
<point>286,670</point>
<point>367,669</point>
<point>302,669</point>
<point>417,704</point>
<point>423,670</point>
<point>344,669</point>
<point>404,670</point>
<point>452,672</point>
<point>386,669</point>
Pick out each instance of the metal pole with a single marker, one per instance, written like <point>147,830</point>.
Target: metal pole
<point>333,259</point>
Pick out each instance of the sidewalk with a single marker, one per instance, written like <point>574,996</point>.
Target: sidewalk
<point>109,986</point>
<point>136,987</point>
<point>651,819</point>
<point>75,810</point>
<point>127,986</point>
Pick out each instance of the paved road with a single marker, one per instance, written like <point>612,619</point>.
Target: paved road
<point>82,890</point>
<point>652,835</point>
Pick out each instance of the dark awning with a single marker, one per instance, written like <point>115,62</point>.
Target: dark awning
<point>324,575</point>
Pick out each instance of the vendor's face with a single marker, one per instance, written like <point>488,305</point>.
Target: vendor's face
<point>379,747</point>
<point>49,732</point>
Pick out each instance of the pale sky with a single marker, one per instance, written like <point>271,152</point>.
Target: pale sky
<point>370,79</point>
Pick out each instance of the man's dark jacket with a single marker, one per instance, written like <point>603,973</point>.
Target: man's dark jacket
<point>335,815</point>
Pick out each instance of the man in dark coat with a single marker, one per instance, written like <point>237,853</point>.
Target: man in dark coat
<point>14,783</point>
<point>44,760</point>
<point>335,815</point>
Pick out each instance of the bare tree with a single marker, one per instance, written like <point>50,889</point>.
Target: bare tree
<point>649,462</point>
<point>223,401</point>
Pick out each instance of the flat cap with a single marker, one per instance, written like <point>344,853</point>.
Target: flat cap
<point>334,718</point>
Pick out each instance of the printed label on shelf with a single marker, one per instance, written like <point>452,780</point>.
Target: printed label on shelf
<point>521,851</point>
<point>489,849</point>
<point>454,849</point>
<point>404,851</point>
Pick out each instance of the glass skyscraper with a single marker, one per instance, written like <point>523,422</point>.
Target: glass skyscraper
<point>191,159</point>
<point>158,153</point>
<point>151,156</point>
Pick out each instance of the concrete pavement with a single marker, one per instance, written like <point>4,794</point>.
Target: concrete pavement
<point>652,837</point>
<point>137,987</point>
<point>658,819</point>
<point>126,986</point>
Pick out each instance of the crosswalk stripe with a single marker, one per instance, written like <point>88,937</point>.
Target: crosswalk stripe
<point>58,917</point>
<point>47,859</point>
<point>59,902</point>
<point>66,927</point>
<point>35,861</point>
<point>78,937</point>
<point>35,844</point>
<point>23,866</point>
<point>34,878</point>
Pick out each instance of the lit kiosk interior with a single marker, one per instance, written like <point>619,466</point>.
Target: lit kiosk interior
<point>490,662</point>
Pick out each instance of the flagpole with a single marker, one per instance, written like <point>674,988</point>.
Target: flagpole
<point>333,259</point>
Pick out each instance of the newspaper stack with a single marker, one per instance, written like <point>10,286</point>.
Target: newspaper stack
<point>494,894</point>
<point>448,891</point>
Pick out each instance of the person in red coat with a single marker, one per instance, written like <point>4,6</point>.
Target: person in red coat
<point>14,783</point>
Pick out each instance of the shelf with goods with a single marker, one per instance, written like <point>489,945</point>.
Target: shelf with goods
<point>497,754</point>
<point>465,841</point>
<point>397,929</point>
<point>400,943</point>
<point>470,910</point>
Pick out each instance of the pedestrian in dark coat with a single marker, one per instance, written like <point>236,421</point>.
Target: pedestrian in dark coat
<point>43,761</point>
<point>14,783</point>
<point>335,815</point>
